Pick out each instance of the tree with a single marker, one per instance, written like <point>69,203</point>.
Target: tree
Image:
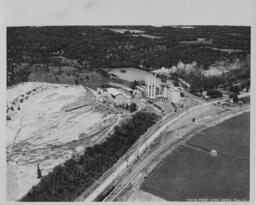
<point>235,98</point>
<point>234,89</point>
<point>176,83</point>
<point>39,175</point>
<point>116,129</point>
<point>126,106</point>
<point>214,93</point>
<point>134,84</point>
<point>133,107</point>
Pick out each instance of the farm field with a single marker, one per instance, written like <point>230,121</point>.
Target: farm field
<point>231,137</point>
<point>191,173</point>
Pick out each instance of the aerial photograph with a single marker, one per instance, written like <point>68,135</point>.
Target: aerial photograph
<point>128,113</point>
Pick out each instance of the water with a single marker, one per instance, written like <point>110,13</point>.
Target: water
<point>133,74</point>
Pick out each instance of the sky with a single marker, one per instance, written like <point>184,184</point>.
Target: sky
<point>128,12</point>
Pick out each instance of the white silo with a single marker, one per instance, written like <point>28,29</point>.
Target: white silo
<point>165,92</point>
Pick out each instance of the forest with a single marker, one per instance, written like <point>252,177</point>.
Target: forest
<point>95,47</point>
<point>66,182</point>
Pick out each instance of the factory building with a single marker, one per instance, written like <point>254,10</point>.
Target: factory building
<point>162,91</point>
<point>173,95</point>
<point>113,91</point>
<point>140,91</point>
<point>114,96</point>
<point>153,91</point>
<point>122,100</point>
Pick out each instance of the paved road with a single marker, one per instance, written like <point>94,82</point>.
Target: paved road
<point>143,146</point>
<point>136,170</point>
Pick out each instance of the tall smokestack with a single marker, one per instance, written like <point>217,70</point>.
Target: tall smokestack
<point>148,86</point>
<point>154,85</point>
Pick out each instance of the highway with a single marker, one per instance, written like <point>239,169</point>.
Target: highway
<point>142,164</point>
<point>137,169</point>
<point>141,148</point>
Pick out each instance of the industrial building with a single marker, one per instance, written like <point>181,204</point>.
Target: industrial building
<point>114,96</point>
<point>173,95</point>
<point>162,91</point>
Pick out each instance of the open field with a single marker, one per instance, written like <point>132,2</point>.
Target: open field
<point>191,173</point>
<point>231,137</point>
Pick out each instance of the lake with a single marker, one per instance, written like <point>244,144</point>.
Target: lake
<point>133,74</point>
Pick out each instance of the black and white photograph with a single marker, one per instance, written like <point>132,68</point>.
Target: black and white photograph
<point>126,111</point>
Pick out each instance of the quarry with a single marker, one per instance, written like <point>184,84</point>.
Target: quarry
<point>44,127</point>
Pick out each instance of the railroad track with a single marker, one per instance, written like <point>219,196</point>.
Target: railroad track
<point>153,134</point>
<point>131,176</point>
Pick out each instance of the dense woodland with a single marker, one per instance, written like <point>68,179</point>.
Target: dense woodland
<point>66,182</point>
<point>95,47</point>
<point>226,80</point>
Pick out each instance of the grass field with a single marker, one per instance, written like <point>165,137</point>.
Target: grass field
<point>191,173</point>
<point>231,137</point>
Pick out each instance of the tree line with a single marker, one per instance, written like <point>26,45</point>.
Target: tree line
<point>66,182</point>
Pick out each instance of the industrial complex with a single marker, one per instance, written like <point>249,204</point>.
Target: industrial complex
<point>151,89</point>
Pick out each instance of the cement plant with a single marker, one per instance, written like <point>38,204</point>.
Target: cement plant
<point>128,113</point>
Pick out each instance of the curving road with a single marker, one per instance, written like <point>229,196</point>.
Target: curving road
<point>141,148</point>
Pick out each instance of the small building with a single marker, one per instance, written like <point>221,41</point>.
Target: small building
<point>205,96</point>
<point>142,90</point>
<point>106,97</point>
<point>121,100</point>
<point>213,153</point>
<point>113,91</point>
<point>240,102</point>
<point>137,94</point>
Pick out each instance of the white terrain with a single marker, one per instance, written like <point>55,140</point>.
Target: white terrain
<point>48,124</point>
